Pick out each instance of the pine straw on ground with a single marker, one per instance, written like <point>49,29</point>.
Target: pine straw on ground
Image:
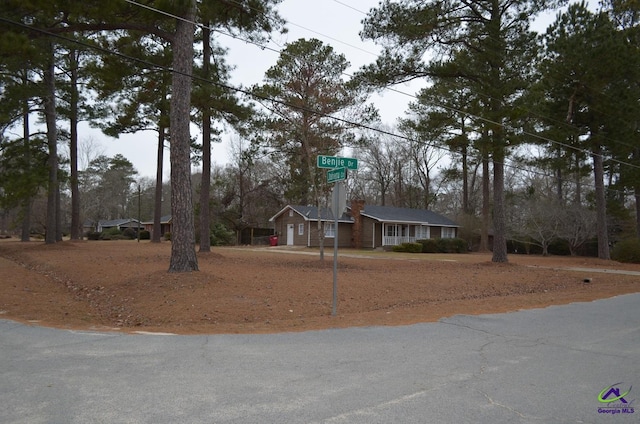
<point>124,285</point>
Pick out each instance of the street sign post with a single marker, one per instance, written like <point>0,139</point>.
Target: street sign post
<point>337,162</point>
<point>337,195</point>
<point>337,174</point>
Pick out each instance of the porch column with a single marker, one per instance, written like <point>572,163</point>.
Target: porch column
<point>373,231</point>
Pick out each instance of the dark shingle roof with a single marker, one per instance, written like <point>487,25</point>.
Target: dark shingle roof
<point>311,213</point>
<point>116,222</point>
<point>165,219</point>
<point>379,213</point>
<point>407,215</point>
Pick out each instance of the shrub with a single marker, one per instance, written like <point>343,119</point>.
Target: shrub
<point>461,245</point>
<point>93,235</point>
<point>111,231</point>
<point>429,245</point>
<point>111,234</point>
<point>167,236</point>
<point>145,235</point>
<point>130,233</point>
<point>442,245</point>
<point>559,247</point>
<point>408,247</point>
<point>221,236</point>
<point>627,251</point>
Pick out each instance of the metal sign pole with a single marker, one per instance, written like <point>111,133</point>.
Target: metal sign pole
<point>336,197</point>
<point>337,173</point>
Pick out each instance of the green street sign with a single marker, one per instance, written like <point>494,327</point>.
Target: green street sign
<point>337,174</point>
<point>337,162</point>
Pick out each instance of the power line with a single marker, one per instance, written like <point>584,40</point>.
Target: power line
<point>550,119</point>
<point>479,117</point>
<point>251,94</point>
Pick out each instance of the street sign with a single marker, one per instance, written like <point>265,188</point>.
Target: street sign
<point>337,174</point>
<point>337,162</point>
<point>339,198</point>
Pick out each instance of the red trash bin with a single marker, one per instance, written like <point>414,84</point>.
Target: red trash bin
<point>273,240</point>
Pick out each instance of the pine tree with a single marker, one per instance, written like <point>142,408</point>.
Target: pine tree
<point>493,34</point>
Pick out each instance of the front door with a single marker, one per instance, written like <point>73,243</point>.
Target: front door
<point>289,234</point>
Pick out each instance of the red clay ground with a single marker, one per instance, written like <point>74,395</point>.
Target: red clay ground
<point>124,285</point>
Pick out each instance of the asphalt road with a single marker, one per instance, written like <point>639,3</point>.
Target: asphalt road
<point>538,366</point>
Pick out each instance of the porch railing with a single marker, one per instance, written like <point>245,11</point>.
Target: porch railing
<point>397,240</point>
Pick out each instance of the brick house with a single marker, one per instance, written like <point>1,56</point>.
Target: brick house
<point>107,224</point>
<point>298,226</point>
<point>165,225</point>
<point>361,226</point>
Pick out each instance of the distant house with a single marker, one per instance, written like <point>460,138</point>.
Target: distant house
<point>298,226</point>
<point>361,226</point>
<point>165,225</point>
<point>103,225</point>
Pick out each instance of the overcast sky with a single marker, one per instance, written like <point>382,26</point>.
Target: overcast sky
<point>335,22</point>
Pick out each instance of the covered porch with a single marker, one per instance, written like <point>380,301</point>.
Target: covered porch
<point>394,234</point>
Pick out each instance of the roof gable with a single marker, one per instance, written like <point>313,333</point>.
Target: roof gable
<point>116,222</point>
<point>165,219</point>
<point>310,213</point>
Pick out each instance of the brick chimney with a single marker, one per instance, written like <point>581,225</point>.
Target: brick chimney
<point>356,230</point>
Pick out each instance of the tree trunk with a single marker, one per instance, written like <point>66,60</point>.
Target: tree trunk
<point>58,214</point>
<point>578,198</point>
<point>183,254</point>
<point>486,203</point>
<point>427,191</point>
<point>76,225</point>
<point>320,227</point>
<point>559,180</point>
<point>465,179</point>
<point>637,197</point>
<point>601,204</point>
<point>157,206</point>
<point>26,207</point>
<point>496,44</point>
<point>205,184</point>
<point>52,142</point>
<point>320,234</point>
<point>499,216</point>
<point>26,220</point>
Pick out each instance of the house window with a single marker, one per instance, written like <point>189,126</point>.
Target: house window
<point>448,232</point>
<point>290,212</point>
<point>300,229</point>
<point>329,230</point>
<point>393,230</point>
<point>422,232</point>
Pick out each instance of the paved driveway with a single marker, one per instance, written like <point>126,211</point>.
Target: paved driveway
<point>538,366</point>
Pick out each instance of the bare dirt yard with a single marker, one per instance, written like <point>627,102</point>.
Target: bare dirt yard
<point>125,286</point>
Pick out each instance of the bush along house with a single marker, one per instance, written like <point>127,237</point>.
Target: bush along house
<point>361,226</point>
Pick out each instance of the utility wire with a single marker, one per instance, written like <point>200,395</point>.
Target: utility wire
<point>256,96</point>
<point>450,108</point>
<point>390,89</point>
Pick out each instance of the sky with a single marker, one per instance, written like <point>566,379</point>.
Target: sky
<point>335,22</point>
